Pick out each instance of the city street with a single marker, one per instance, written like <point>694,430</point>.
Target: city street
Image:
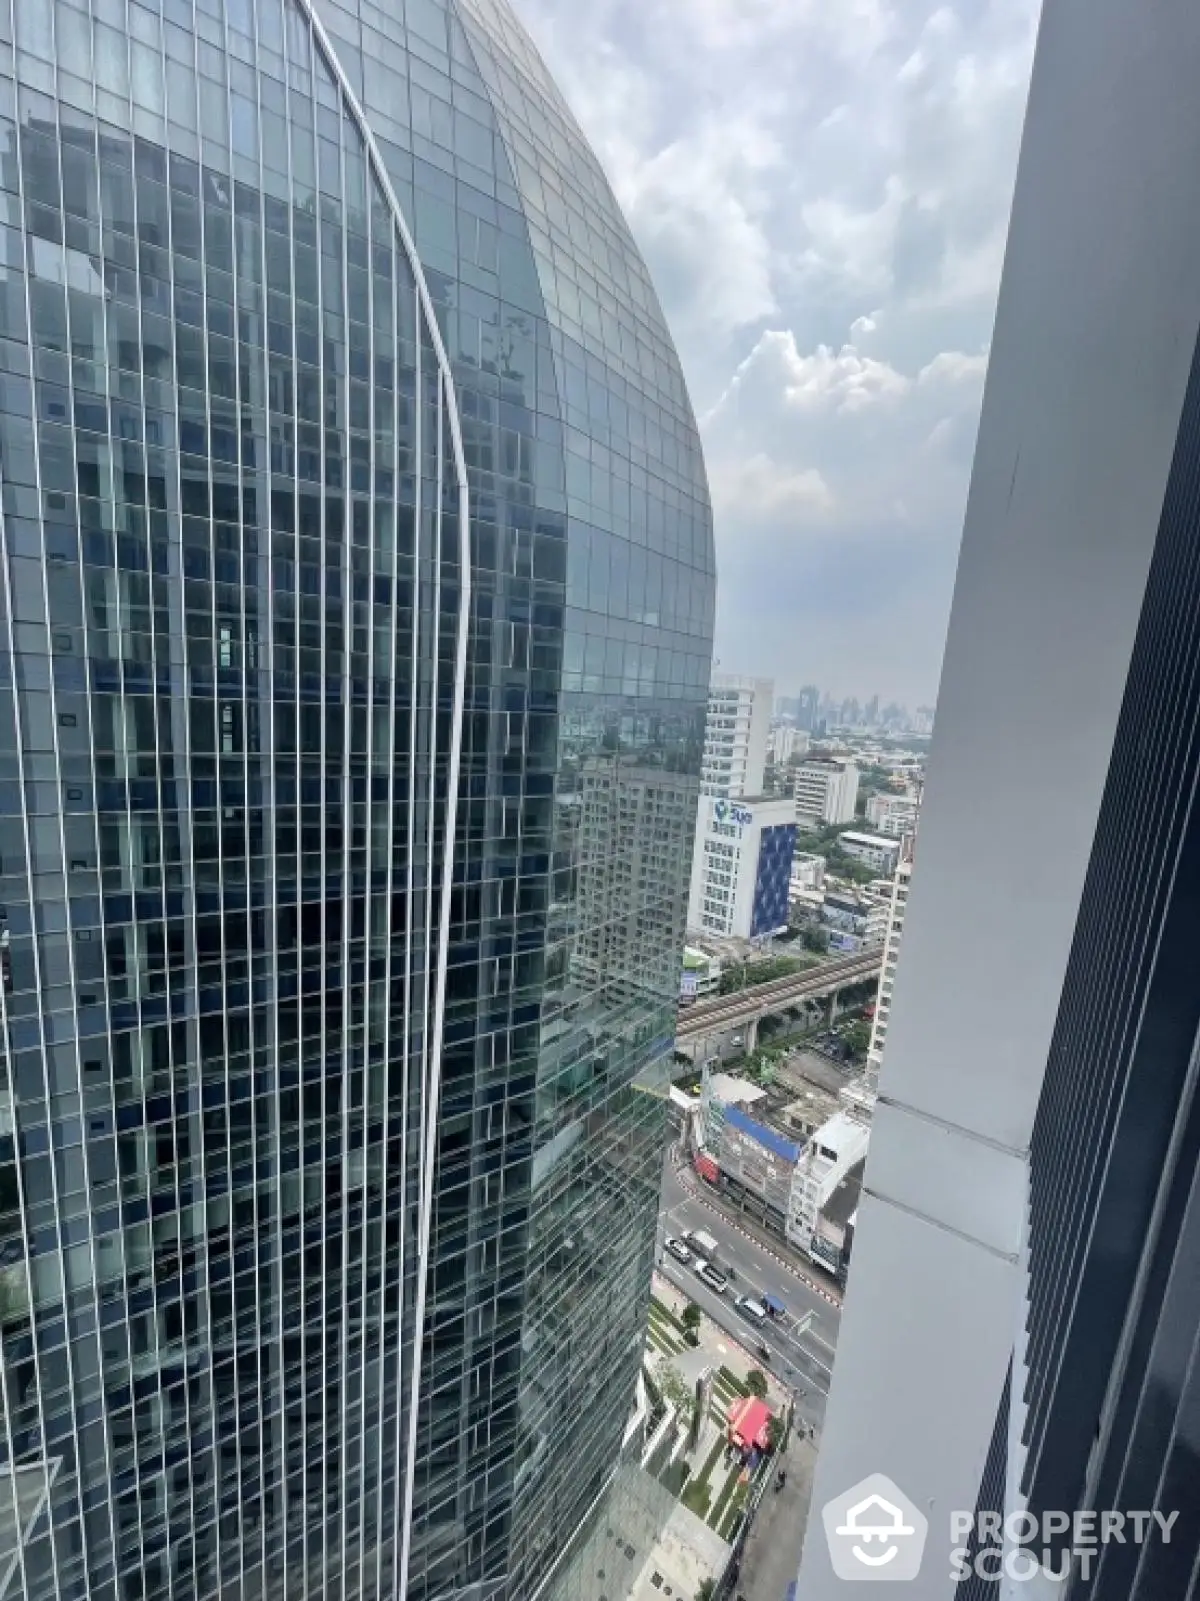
<point>803,1361</point>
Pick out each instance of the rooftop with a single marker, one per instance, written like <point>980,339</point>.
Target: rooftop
<point>842,1133</point>
<point>734,1091</point>
<point>880,841</point>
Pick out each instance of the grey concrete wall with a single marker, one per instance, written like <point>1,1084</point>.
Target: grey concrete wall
<point>1096,325</point>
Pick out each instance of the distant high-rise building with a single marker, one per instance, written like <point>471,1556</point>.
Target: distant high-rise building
<point>332,1045</point>
<point>806,711</point>
<point>871,712</point>
<point>736,735</point>
<point>1022,1323</point>
<point>826,791</point>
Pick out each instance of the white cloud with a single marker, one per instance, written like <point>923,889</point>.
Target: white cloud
<point>954,367</point>
<point>821,190</point>
<point>829,381</point>
<point>694,206</point>
<point>751,488</point>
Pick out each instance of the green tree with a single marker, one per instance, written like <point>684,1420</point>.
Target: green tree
<point>706,1589</point>
<point>756,1383</point>
<point>675,1389</point>
<point>857,1038</point>
<point>815,938</point>
<point>850,867</point>
<point>774,1433</point>
<point>690,1316</point>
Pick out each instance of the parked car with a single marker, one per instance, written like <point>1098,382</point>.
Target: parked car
<point>679,1250</point>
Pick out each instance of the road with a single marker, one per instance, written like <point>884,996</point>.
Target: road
<point>803,1360</point>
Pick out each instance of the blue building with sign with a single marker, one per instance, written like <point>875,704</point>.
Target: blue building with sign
<point>742,867</point>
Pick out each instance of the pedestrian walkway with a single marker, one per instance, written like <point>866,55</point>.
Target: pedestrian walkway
<point>771,1558</point>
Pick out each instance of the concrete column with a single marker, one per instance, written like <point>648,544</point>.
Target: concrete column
<point>752,1036</point>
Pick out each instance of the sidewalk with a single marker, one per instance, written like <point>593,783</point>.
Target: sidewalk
<point>771,1559</point>
<point>799,1266</point>
<point>716,1348</point>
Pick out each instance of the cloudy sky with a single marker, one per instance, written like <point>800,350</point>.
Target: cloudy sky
<point>821,189</point>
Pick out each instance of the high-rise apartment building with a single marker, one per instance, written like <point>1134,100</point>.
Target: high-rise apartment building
<point>1022,1322</point>
<point>897,911</point>
<point>354,527</point>
<point>736,735</point>
<point>826,791</point>
<point>807,708</point>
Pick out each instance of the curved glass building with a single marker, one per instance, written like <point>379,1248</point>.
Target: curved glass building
<point>355,628</point>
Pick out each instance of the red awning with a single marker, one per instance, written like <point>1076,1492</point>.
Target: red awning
<point>747,1419</point>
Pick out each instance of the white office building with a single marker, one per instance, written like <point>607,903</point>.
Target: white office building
<point>875,852</point>
<point>826,791</point>
<point>893,815</point>
<point>836,1147</point>
<point>735,735</point>
<point>786,742</point>
<point>808,872</point>
<point>856,920</point>
<point>742,866</point>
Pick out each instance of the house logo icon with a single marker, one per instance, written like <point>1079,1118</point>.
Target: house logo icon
<point>874,1532</point>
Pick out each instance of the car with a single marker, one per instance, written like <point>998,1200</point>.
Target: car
<point>751,1307</point>
<point>714,1280</point>
<point>678,1250</point>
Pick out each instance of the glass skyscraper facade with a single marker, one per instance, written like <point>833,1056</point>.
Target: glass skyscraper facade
<point>355,631</point>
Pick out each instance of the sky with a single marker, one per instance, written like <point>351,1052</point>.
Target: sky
<point>821,191</point>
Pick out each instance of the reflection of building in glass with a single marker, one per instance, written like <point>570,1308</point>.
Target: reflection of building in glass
<point>357,507</point>
<point>635,832</point>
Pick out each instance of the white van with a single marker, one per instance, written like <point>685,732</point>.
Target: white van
<point>752,1309</point>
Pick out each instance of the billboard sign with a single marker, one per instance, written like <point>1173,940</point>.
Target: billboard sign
<point>728,812</point>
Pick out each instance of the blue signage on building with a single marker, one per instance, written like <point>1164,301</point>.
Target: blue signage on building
<point>726,812</point>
